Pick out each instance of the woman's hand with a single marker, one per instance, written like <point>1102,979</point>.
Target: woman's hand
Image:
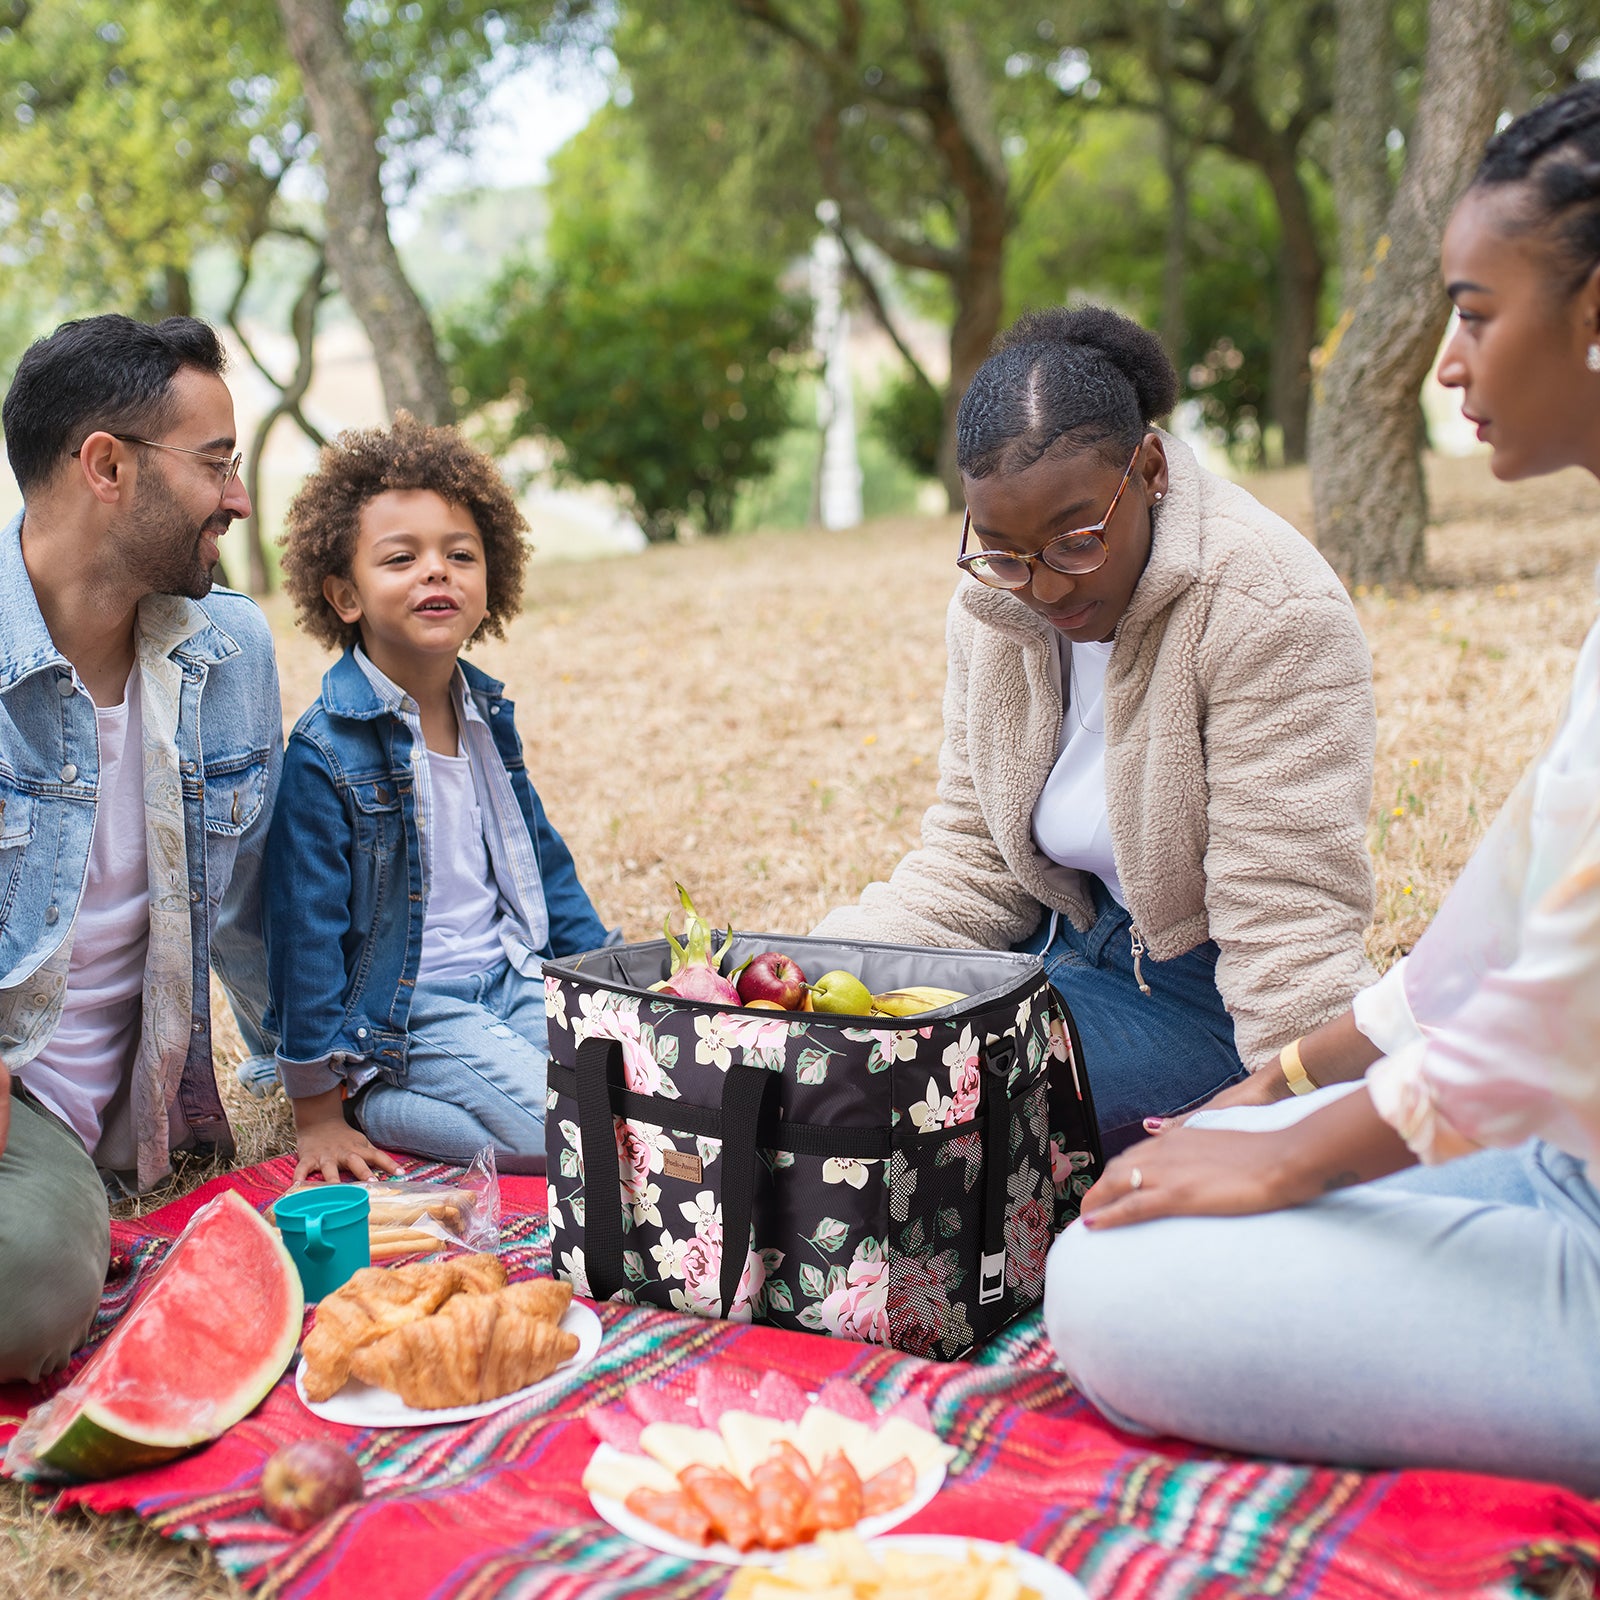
<point>1337,1052</point>
<point>1261,1088</point>
<point>1208,1172</point>
<point>325,1142</point>
<point>1195,1172</point>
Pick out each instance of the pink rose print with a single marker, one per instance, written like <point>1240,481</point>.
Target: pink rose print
<point>860,1309</point>
<point>638,1156</point>
<point>965,1081</point>
<point>1027,1245</point>
<point>918,1304</point>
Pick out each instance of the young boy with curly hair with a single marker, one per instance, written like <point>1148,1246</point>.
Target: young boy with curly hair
<point>412,881</point>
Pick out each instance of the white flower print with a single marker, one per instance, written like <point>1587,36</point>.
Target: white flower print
<point>646,1205</point>
<point>574,1271</point>
<point>555,1001</point>
<point>930,1112</point>
<point>889,1045</point>
<point>846,1170</point>
<point>668,1254</point>
<point>721,1034</point>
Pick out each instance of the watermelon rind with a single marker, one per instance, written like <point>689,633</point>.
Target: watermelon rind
<point>87,1436</point>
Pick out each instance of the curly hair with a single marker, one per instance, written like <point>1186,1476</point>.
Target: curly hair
<point>1085,379</point>
<point>324,518</point>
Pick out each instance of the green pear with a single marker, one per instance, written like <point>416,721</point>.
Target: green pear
<point>842,993</point>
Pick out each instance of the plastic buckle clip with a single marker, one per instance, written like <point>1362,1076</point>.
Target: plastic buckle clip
<point>991,1278</point>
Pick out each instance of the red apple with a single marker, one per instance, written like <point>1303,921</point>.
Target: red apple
<point>776,977</point>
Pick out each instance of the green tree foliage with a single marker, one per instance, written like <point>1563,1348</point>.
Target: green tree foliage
<point>132,133</point>
<point>663,370</point>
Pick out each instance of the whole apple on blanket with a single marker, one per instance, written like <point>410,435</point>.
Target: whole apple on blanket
<point>776,977</point>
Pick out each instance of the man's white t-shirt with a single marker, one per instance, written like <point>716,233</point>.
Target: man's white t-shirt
<point>82,1066</point>
<point>461,930</point>
<point>1070,824</point>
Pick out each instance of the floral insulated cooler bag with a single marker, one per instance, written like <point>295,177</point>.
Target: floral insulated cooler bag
<point>896,1180</point>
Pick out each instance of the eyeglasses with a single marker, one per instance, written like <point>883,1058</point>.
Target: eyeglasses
<point>1082,550</point>
<point>226,467</point>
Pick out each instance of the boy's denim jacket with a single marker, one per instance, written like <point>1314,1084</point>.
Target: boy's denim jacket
<point>212,710</point>
<point>344,896</point>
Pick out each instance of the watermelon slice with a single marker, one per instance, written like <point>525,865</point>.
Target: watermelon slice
<point>197,1351</point>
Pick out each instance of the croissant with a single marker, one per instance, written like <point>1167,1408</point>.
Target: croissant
<point>377,1300</point>
<point>476,1347</point>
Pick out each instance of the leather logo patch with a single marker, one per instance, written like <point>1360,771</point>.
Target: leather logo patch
<point>678,1164</point>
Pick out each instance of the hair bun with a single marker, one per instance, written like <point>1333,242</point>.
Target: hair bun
<point>1134,351</point>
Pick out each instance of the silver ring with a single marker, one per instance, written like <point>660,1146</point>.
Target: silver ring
<point>1136,1179</point>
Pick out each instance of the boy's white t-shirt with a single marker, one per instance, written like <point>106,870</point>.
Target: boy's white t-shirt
<point>1070,822</point>
<point>461,934</point>
<point>82,1065</point>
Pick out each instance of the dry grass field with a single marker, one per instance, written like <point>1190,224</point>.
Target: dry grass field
<point>759,719</point>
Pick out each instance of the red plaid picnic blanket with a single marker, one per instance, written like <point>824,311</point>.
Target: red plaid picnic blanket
<point>494,1507</point>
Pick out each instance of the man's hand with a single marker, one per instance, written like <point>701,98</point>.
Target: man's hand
<point>5,1107</point>
<point>325,1142</point>
<point>1209,1172</point>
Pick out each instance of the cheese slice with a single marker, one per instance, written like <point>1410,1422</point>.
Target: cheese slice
<point>676,1446</point>
<point>893,1439</point>
<point>823,1432</point>
<point>611,1473</point>
<point>750,1438</point>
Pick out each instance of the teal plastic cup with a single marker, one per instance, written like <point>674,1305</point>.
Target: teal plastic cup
<point>325,1230</point>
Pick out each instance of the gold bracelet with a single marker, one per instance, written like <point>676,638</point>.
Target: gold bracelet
<point>1294,1074</point>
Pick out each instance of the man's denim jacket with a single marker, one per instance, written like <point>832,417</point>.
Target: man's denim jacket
<point>213,746</point>
<point>345,890</point>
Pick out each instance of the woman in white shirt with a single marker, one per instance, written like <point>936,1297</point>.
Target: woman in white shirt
<point>1373,1325</point>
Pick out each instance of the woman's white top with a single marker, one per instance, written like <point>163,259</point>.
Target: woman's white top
<point>461,935</point>
<point>1070,824</point>
<point>80,1069</point>
<point>1491,1026</point>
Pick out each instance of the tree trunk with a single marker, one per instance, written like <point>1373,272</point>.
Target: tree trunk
<point>1366,466</point>
<point>1176,154</point>
<point>303,320</point>
<point>359,246</point>
<point>979,298</point>
<point>1294,312</point>
<point>1363,113</point>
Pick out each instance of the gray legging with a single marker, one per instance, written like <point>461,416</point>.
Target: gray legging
<point>1394,1325</point>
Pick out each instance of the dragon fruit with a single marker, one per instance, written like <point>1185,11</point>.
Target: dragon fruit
<point>696,972</point>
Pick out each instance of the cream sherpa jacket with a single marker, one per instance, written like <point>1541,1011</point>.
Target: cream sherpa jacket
<point>1239,746</point>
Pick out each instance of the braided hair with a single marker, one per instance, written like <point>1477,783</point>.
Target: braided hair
<point>1555,150</point>
<point>1071,380</point>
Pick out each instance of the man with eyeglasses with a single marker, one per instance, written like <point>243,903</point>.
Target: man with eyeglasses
<point>140,741</point>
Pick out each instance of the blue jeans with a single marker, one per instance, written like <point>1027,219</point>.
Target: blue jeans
<point>475,1074</point>
<point>1380,1326</point>
<point>1147,1055</point>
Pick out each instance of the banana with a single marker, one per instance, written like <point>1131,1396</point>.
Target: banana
<point>912,1002</point>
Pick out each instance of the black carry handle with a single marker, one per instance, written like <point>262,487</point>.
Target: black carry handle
<point>997,1058</point>
<point>597,1060</point>
<point>745,1091</point>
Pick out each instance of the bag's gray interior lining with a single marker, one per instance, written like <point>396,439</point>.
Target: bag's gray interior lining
<point>974,973</point>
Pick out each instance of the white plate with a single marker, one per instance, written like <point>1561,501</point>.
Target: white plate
<point>360,1405</point>
<point>624,1521</point>
<point>1044,1576</point>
